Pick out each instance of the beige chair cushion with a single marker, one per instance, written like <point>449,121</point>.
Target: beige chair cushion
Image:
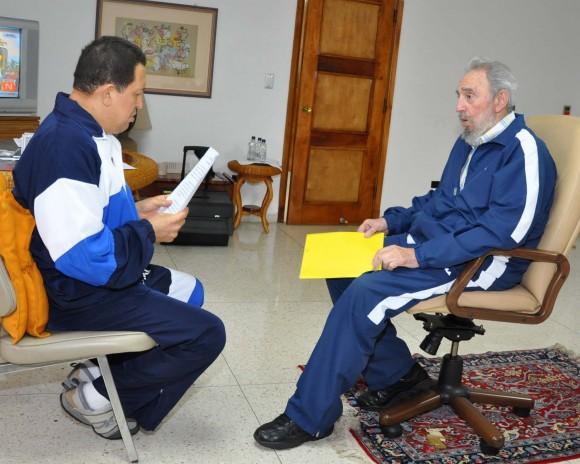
<point>70,346</point>
<point>562,136</point>
<point>515,299</point>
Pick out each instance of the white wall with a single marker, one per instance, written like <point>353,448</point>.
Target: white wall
<point>254,37</point>
<point>538,39</point>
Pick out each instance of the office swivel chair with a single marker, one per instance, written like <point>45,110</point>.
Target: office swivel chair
<point>451,316</point>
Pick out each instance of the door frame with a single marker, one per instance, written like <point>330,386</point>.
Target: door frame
<point>292,108</point>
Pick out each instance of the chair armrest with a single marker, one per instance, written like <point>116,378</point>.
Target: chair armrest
<point>547,304</point>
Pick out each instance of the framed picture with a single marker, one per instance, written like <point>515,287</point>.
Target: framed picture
<point>178,41</point>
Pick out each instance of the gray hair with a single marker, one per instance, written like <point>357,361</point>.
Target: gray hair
<point>499,77</point>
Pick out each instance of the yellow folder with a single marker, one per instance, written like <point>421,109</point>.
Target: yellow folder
<point>338,254</point>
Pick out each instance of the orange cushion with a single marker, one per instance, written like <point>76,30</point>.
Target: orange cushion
<point>31,314</point>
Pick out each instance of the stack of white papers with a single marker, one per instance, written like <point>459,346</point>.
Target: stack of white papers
<point>183,193</point>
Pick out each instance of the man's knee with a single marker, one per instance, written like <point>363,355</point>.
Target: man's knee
<point>215,335</point>
<point>363,286</point>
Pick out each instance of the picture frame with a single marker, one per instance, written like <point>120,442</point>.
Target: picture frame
<point>178,41</point>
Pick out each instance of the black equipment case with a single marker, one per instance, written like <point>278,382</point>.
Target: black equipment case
<point>211,213</point>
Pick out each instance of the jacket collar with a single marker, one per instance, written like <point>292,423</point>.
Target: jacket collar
<point>72,110</point>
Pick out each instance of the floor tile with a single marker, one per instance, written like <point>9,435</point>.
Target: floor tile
<point>266,341</point>
<point>210,425</point>
<point>268,401</point>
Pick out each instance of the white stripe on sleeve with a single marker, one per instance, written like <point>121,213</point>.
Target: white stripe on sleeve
<point>66,213</point>
<point>530,150</point>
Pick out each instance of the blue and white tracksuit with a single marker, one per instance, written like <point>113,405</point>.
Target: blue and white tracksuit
<point>94,254</point>
<point>495,195</point>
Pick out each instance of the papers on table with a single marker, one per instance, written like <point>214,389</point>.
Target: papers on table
<point>183,193</point>
<point>338,254</point>
<point>23,140</point>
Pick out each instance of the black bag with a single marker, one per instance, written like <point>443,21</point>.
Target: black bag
<point>210,220</point>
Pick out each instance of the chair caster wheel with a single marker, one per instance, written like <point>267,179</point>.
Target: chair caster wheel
<point>522,412</point>
<point>392,431</point>
<point>487,449</point>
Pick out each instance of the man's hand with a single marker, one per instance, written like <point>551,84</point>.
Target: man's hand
<point>372,226</point>
<point>393,256</point>
<point>149,206</point>
<point>166,226</point>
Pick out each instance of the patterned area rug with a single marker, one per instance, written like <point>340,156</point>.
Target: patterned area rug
<point>551,433</point>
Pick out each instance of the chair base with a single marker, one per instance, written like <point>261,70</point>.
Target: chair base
<point>450,390</point>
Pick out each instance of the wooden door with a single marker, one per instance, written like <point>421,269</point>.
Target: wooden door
<point>336,138</point>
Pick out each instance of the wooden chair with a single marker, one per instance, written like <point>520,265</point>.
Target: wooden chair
<point>451,316</point>
<point>31,353</point>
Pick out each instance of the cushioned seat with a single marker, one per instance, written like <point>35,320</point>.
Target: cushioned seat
<point>31,352</point>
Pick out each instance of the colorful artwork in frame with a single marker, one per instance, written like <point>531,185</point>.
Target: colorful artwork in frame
<point>178,41</point>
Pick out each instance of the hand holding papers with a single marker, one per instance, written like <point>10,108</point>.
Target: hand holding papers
<point>339,254</point>
<point>183,193</point>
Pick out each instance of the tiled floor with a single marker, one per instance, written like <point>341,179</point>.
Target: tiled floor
<point>273,320</point>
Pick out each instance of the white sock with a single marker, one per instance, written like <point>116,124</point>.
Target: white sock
<point>95,400</point>
<point>94,370</point>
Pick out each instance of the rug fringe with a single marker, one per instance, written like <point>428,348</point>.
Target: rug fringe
<point>567,351</point>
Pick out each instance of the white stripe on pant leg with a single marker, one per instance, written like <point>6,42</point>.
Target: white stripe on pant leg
<point>182,285</point>
<point>395,302</point>
<point>485,280</point>
<point>493,272</point>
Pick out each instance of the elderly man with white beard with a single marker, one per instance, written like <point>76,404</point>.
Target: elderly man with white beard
<point>495,192</point>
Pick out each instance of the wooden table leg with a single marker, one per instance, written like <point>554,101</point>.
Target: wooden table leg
<point>238,200</point>
<point>265,203</point>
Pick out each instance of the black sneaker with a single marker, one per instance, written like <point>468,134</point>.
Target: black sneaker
<point>415,381</point>
<point>283,433</point>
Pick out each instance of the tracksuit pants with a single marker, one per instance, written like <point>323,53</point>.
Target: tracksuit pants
<point>189,339</point>
<point>359,338</point>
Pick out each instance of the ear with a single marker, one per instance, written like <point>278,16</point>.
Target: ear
<point>500,101</point>
<point>106,94</point>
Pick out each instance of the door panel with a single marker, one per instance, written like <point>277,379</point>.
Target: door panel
<point>341,103</point>
<point>340,110</point>
<point>341,31</point>
<point>327,165</point>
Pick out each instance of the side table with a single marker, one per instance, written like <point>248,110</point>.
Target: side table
<point>254,174</point>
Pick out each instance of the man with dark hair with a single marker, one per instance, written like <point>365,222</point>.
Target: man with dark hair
<point>495,192</point>
<point>93,245</point>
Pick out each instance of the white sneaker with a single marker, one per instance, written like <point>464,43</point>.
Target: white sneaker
<point>102,421</point>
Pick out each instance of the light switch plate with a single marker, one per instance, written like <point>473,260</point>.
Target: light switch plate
<point>269,80</point>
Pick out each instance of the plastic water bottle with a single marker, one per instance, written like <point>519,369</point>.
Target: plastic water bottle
<point>252,148</point>
<point>258,148</point>
<point>263,150</point>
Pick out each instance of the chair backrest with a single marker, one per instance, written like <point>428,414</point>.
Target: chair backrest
<point>7,296</point>
<point>562,136</point>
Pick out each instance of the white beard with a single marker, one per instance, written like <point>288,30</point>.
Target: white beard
<point>471,136</point>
